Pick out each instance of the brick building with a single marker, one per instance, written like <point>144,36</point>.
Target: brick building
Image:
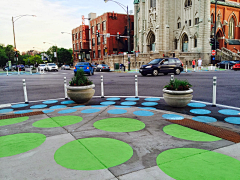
<point>111,23</point>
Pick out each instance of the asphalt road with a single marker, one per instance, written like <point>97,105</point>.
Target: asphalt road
<point>50,85</point>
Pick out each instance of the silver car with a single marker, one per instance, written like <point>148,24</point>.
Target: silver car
<point>65,67</point>
<point>51,67</point>
<point>41,67</point>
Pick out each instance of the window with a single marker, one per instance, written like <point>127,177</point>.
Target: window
<point>98,26</point>
<point>77,46</point>
<point>171,61</point>
<point>99,53</point>
<point>185,22</point>
<point>176,43</point>
<point>188,3</point>
<point>81,47</point>
<point>179,25</point>
<point>153,3</point>
<point>73,46</point>
<point>165,61</point>
<point>98,40</point>
<point>80,34</point>
<point>231,30</point>
<point>93,42</point>
<point>104,25</point>
<point>195,41</point>
<point>104,39</point>
<point>196,21</point>
<point>132,27</point>
<point>212,17</point>
<point>92,29</point>
<point>73,37</point>
<point>190,23</point>
<point>76,36</point>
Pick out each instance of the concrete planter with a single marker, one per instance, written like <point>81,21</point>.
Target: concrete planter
<point>177,98</point>
<point>34,71</point>
<point>81,94</point>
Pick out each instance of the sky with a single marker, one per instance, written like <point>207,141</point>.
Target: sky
<point>52,18</point>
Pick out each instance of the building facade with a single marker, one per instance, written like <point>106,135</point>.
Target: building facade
<point>183,27</point>
<point>110,23</point>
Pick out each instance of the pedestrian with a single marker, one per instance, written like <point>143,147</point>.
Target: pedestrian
<point>193,65</point>
<point>199,63</point>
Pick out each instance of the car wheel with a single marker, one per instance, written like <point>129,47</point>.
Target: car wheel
<point>177,71</point>
<point>165,73</point>
<point>143,74</point>
<point>155,72</point>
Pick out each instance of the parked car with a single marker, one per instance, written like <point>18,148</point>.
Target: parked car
<point>65,67</point>
<point>236,66</point>
<point>85,66</point>
<point>224,64</point>
<point>14,67</point>
<point>162,65</point>
<point>41,67</point>
<point>103,67</point>
<point>5,68</point>
<point>94,67</point>
<point>51,67</point>
<point>21,67</point>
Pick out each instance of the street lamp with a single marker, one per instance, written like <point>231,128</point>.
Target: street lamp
<point>56,49</point>
<point>14,19</point>
<point>65,32</point>
<point>125,8</point>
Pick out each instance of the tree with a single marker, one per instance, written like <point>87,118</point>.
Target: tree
<point>64,56</point>
<point>3,57</point>
<point>36,59</point>
<point>50,52</point>
<point>9,50</point>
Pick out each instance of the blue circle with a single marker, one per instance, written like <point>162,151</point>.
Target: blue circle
<point>40,106</point>
<point>148,108</point>
<point>149,104</point>
<point>152,99</point>
<point>90,110</point>
<point>50,102</point>
<point>117,111</point>
<point>143,113</point>
<point>132,99</point>
<point>123,106</point>
<point>113,99</point>
<point>128,103</point>
<point>199,105</point>
<point>5,110</point>
<point>204,119</point>
<point>58,107</point>
<point>99,106</point>
<point>108,103</point>
<point>23,111</point>
<point>65,111</point>
<point>200,111</point>
<point>229,112</point>
<point>233,120</point>
<point>173,117</point>
<point>78,106</point>
<point>67,102</point>
<point>19,105</point>
<point>47,111</point>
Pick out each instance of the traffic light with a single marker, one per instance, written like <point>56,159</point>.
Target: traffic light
<point>217,45</point>
<point>16,55</point>
<point>98,34</point>
<point>213,58</point>
<point>212,41</point>
<point>118,35</point>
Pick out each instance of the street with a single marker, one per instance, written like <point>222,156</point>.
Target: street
<point>50,85</point>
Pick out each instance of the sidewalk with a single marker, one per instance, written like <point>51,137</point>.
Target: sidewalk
<point>118,138</point>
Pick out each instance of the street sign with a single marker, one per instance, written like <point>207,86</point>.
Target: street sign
<point>213,52</point>
<point>55,54</point>
<point>108,35</point>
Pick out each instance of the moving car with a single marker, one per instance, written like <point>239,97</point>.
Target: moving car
<point>51,67</point>
<point>41,67</point>
<point>86,67</point>
<point>65,67</point>
<point>236,66</point>
<point>162,65</point>
<point>224,64</point>
<point>103,67</point>
<point>21,67</point>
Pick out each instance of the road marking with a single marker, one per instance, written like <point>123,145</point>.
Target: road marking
<point>5,105</point>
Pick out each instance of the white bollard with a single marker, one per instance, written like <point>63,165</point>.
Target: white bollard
<point>136,86</point>
<point>172,77</point>
<point>65,88</point>
<point>37,70</point>
<point>25,91</point>
<point>228,66</point>
<point>31,71</point>
<point>102,89</point>
<point>211,67</point>
<point>186,69</point>
<point>214,91</point>
<point>7,72</point>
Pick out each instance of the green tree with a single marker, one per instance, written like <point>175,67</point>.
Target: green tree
<point>3,57</point>
<point>9,50</point>
<point>64,56</point>
<point>33,60</point>
<point>22,57</point>
<point>51,51</point>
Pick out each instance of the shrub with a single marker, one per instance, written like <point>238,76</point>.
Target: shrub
<point>178,85</point>
<point>80,79</point>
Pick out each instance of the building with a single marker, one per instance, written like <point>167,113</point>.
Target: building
<point>184,27</point>
<point>108,25</point>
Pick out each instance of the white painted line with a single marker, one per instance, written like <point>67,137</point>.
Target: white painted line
<point>5,105</point>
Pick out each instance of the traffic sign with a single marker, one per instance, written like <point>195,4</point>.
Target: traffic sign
<point>213,52</point>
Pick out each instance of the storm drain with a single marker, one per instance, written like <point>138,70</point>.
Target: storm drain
<point>212,130</point>
<point>21,115</point>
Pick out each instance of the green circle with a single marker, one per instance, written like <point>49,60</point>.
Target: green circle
<point>119,125</point>
<point>191,163</point>
<point>20,143</point>
<point>58,121</point>
<point>182,132</point>
<point>5,122</point>
<point>93,153</point>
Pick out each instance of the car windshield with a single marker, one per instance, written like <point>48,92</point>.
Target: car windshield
<point>155,61</point>
<point>52,64</point>
<point>104,65</point>
<point>232,62</point>
<point>82,63</point>
<point>42,64</point>
<point>66,65</point>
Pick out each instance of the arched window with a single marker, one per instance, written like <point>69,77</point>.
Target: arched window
<point>175,43</point>
<point>188,3</point>
<point>152,3</point>
<point>195,41</point>
<point>231,29</point>
<point>212,17</point>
